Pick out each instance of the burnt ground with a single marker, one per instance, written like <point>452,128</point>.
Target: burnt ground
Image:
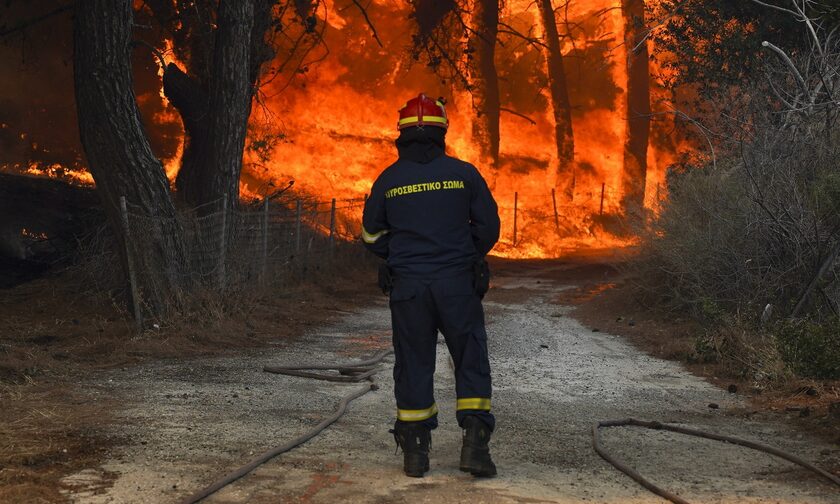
<point>57,337</point>
<point>92,413</point>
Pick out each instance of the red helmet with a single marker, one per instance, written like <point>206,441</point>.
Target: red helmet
<point>423,111</point>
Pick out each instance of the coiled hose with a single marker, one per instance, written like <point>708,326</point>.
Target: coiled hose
<point>348,373</point>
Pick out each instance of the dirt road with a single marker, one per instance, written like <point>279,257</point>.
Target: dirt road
<point>188,422</point>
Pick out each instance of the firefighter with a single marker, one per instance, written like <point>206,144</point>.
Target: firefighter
<point>433,218</point>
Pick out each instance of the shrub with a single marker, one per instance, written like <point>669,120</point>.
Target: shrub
<point>755,228</point>
<point>811,349</point>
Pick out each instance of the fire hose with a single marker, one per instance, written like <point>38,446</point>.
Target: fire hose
<point>623,467</point>
<point>348,373</point>
<point>364,370</point>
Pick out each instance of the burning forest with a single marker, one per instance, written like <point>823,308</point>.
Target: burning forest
<point>598,205</point>
<point>552,101</point>
<point>576,114</point>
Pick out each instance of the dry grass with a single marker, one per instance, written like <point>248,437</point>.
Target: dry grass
<point>45,431</point>
<point>54,334</point>
<point>734,356</point>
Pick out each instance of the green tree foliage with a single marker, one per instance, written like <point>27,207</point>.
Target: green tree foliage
<point>716,45</point>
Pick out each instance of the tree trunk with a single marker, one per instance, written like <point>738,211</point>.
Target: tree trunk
<point>638,107</point>
<point>191,101</point>
<point>216,115</point>
<point>563,134</point>
<point>216,120</point>
<point>484,85</point>
<point>118,153</point>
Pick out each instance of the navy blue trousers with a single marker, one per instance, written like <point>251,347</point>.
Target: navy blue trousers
<point>419,309</point>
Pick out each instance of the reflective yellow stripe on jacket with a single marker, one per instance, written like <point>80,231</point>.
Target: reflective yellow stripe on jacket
<point>371,238</point>
<point>417,415</point>
<point>474,403</point>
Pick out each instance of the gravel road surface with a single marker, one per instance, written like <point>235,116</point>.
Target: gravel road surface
<point>188,422</point>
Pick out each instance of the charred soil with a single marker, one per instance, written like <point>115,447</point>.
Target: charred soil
<point>53,337</point>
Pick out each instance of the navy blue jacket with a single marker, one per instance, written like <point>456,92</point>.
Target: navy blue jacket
<point>430,219</point>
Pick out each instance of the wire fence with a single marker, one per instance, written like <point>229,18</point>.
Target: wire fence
<point>225,250</point>
<point>219,249</point>
<point>556,214</point>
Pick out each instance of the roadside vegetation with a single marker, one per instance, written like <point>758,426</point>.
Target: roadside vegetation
<point>747,242</point>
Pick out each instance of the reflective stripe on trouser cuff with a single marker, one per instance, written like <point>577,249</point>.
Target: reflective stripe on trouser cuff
<point>474,403</point>
<point>417,415</point>
<point>371,238</point>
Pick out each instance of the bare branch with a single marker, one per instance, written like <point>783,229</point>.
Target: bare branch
<point>513,31</point>
<point>776,7</point>
<point>523,116</point>
<point>786,59</point>
<point>157,52</point>
<point>368,21</point>
<point>702,129</point>
<point>35,20</point>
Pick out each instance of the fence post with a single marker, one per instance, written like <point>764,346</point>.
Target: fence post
<point>297,226</point>
<point>129,259</point>
<point>515,211</point>
<point>223,242</point>
<point>332,226</point>
<point>601,210</point>
<point>556,218</point>
<point>265,241</point>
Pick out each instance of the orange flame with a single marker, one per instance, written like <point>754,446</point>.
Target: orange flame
<point>339,121</point>
<point>334,123</point>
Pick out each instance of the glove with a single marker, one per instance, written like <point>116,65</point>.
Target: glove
<point>481,277</point>
<point>386,281</point>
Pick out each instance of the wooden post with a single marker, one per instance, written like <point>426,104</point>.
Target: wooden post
<point>603,187</point>
<point>223,242</point>
<point>264,273</point>
<point>556,217</point>
<point>332,226</point>
<point>297,226</point>
<point>515,211</point>
<point>129,260</point>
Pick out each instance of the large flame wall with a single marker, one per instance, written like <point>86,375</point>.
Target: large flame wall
<point>333,122</point>
<point>339,120</point>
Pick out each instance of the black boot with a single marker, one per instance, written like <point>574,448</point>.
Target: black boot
<point>475,454</point>
<point>415,440</point>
